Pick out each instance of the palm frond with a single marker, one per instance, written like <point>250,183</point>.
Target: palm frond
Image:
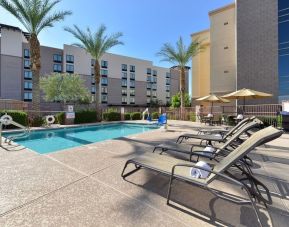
<point>35,15</point>
<point>96,43</point>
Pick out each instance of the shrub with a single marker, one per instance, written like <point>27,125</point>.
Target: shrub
<point>269,120</point>
<point>136,116</point>
<point>37,121</point>
<point>155,115</point>
<point>85,116</point>
<point>193,117</point>
<point>111,116</point>
<point>60,118</point>
<point>127,116</point>
<point>17,116</point>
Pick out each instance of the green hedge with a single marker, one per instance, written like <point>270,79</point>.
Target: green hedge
<point>37,121</point>
<point>193,117</point>
<point>127,116</point>
<point>155,115</point>
<point>111,116</point>
<point>136,116</point>
<point>17,116</point>
<point>60,118</point>
<point>268,121</point>
<point>85,116</point>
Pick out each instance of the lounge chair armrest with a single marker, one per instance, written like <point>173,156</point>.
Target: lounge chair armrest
<point>210,171</point>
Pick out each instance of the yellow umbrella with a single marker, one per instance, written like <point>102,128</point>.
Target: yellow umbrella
<point>213,99</point>
<point>246,93</point>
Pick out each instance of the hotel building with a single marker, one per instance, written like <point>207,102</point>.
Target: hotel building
<point>246,46</point>
<point>124,80</point>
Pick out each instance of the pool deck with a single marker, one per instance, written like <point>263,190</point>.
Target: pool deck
<point>82,186</point>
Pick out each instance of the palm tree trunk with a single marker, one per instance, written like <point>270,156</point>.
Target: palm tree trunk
<point>182,90</point>
<point>35,68</point>
<point>97,90</point>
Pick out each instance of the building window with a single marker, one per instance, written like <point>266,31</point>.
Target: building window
<point>104,99</point>
<point>104,72</point>
<point>27,96</point>
<point>132,68</point>
<point>154,94</point>
<point>154,86</point>
<point>168,81</point>
<point>148,100</point>
<point>124,92</point>
<point>167,87</point>
<point>93,80</point>
<point>226,23</point>
<point>26,53</point>
<point>92,71</point>
<point>155,72</point>
<point>104,64</point>
<point>104,81</point>
<point>124,67</point>
<point>27,64</point>
<point>57,68</point>
<point>57,58</point>
<point>124,100</point>
<point>149,85</point>
<point>27,75</point>
<point>149,71</point>
<point>132,76</point>
<point>168,75</point>
<point>69,58</point>
<point>123,82</point>
<point>124,75</point>
<point>104,90</point>
<point>93,89</point>
<point>155,79</point>
<point>132,100</point>
<point>132,83</point>
<point>27,85</point>
<point>132,92</point>
<point>92,62</point>
<point>168,95</point>
<point>148,93</point>
<point>69,68</point>
<point>149,78</point>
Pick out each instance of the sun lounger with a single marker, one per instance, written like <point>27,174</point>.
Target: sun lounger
<point>197,151</point>
<point>214,138</point>
<point>180,170</point>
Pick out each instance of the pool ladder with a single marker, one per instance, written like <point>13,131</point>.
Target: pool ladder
<point>25,133</point>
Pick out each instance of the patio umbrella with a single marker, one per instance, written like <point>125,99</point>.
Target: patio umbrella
<point>246,93</point>
<point>213,99</point>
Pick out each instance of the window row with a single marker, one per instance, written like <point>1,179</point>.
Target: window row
<point>125,92</point>
<point>151,86</point>
<point>152,79</point>
<point>151,94</point>
<point>124,67</point>
<point>131,75</point>
<point>126,100</point>
<point>124,83</point>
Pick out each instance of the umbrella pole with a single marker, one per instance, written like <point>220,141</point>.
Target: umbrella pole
<point>244,102</point>
<point>212,108</point>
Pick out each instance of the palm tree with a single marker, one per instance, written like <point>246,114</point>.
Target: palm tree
<point>35,16</point>
<point>96,44</point>
<point>180,55</point>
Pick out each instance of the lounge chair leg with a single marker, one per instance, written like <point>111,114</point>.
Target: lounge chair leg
<point>137,168</point>
<point>170,189</point>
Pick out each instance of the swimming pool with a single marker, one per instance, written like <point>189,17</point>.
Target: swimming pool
<point>51,140</point>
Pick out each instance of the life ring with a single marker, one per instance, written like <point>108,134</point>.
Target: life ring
<point>6,119</point>
<point>50,119</point>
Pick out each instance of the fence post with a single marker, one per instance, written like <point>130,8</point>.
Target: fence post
<point>122,113</point>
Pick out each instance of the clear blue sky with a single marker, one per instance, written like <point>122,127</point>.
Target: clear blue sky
<point>146,24</point>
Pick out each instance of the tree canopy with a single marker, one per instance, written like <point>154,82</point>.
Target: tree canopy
<point>176,100</point>
<point>64,87</point>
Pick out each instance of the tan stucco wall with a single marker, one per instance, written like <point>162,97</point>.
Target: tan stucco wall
<point>201,66</point>
<point>223,50</point>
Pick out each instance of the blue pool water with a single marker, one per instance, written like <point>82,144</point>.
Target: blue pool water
<point>46,141</point>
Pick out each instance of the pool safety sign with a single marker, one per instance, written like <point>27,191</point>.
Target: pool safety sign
<point>70,115</point>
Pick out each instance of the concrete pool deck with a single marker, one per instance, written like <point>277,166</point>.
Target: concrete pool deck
<point>82,187</point>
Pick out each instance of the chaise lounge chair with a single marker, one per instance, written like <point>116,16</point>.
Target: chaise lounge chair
<point>179,170</point>
<point>214,138</point>
<point>198,150</point>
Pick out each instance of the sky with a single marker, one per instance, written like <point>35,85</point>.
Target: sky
<point>146,24</point>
